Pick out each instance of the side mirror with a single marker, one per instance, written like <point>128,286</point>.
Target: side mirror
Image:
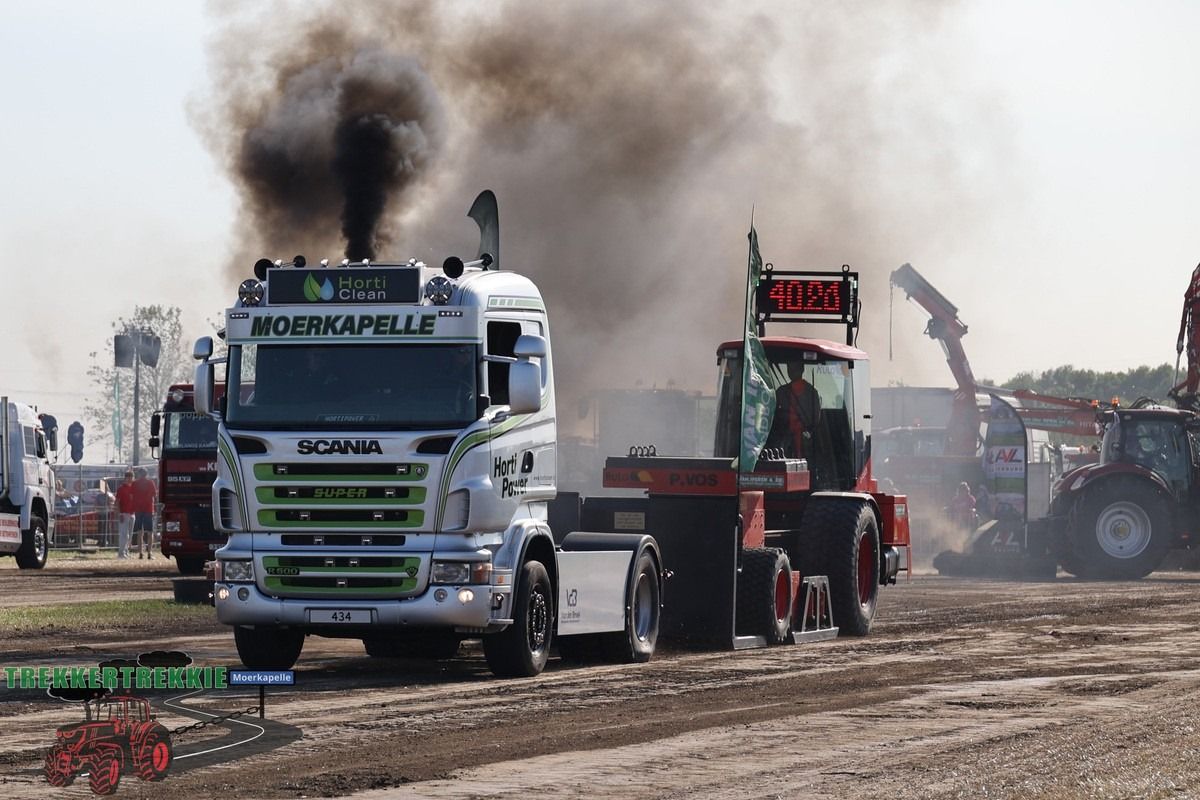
<point>203,349</point>
<point>155,425</point>
<point>203,383</point>
<point>524,388</point>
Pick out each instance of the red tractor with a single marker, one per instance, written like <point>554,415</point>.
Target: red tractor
<point>118,735</point>
<point>1117,518</point>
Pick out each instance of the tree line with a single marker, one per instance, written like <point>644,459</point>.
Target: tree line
<point>1127,385</point>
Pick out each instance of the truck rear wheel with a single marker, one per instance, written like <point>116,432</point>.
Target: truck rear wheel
<point>849,539</point>
<point>1121,531</point>
<point>268,648</point>
<point>34,544</point>
<point>764,595</point>
<point>643,610</point>
<point>521,649</point>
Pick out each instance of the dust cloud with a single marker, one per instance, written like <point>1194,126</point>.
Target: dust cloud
<point>629,143</point>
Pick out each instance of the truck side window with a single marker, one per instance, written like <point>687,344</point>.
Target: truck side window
<point>501,341</point>
<point>41,444</point>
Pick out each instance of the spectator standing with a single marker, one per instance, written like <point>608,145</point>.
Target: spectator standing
<point>125,510</point>
<point>143,513</point>
<point>962,507</point>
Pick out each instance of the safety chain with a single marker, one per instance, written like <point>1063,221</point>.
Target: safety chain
<point>215,720</point>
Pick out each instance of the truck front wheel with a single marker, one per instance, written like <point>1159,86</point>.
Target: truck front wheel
<point>268,648</point>
<point>521,649</point>
<point>34,545</point>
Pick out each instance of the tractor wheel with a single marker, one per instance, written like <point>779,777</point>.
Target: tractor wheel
<point>1122,531</point>
<point>58,767</point>
<point>190,565</point>
<point>764,595</point>
<point>152,754</point>
<point>34,544</point>
<point>434,645</point>
<point>105,774</point>
<point>268,648</point>
<point>850,557</point>
<point>521,649</point>
<point>643,611</point>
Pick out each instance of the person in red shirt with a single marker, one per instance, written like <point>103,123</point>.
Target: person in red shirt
<point>125,510</point>
<point>143,513</point>
<point>799,425</point>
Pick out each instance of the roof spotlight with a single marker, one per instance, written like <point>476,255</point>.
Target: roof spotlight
<point>260,268</point>
<point>299,261</point>
<point>439,290</point>
<point>250,292</point>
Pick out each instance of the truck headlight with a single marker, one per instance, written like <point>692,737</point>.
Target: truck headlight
<point>236,571</point>
<point>171,526</point>
<point>460,572</point>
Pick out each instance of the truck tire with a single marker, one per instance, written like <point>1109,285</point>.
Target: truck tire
<point>764,595</point>
<point>190,565</point>
<point>521,649</point>
<point>58,767</point>
<point>105,774</point>
<point>268,648</point>
<point>643,611</point>
<point>152,753</point>
<point>34,544</point>
<point>1121,530</point>
<point>432,645</point>
<point>849,538</point>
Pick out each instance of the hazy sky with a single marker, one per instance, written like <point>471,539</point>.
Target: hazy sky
<point>1073,127</point>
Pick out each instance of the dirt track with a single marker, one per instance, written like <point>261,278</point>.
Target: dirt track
<point>964,689</point>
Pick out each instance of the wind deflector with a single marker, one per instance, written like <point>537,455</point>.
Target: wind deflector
<point>487,216</point>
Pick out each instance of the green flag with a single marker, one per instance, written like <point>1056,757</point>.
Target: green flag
<point>116,417</point>
<point>758,387</point>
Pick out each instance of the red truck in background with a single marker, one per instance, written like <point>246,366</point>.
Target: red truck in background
<point>186,446</point>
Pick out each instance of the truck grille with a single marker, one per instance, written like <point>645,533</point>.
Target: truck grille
<point>342,576</point>
<point>321,495</point>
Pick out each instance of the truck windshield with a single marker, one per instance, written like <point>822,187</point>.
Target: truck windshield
<point>187,430</point>
<point>339,387</point>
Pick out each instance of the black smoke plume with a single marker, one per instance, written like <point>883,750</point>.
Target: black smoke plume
<point>627,143</point>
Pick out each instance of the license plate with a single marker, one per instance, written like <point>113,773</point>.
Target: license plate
<point>338,616</point>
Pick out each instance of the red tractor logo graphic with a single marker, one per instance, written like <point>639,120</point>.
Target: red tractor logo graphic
<point>119,735</point>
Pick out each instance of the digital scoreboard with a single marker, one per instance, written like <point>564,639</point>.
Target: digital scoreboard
<point>786,296</point>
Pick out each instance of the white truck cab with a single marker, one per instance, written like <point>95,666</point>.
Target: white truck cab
<point>386,454</point>
<point>27,440</point>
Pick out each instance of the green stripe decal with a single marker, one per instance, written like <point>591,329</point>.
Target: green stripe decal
<point>266,473</point>
<point>266,496</point>
<point>415,519</point>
